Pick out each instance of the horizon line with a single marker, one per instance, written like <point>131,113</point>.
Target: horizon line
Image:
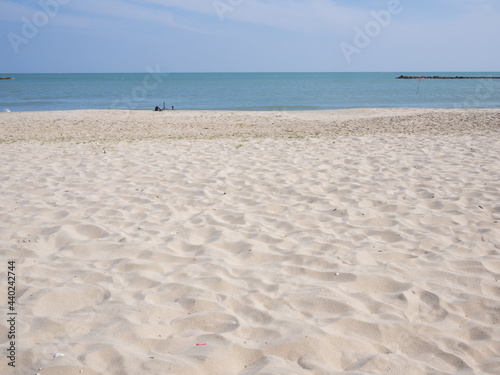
<point>267,72</point>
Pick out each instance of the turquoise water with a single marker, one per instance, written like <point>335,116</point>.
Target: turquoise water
<point>244,91</point>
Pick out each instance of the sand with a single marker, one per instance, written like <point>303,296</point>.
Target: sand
<point>337,242</point>
<point>116,125</point>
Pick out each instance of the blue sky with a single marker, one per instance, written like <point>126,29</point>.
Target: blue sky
<point>249,35</point>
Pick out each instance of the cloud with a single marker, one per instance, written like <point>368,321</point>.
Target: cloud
<point>98,15</point>
<point>199,16</point>
<point>312,16</point>
<point>16,13</point>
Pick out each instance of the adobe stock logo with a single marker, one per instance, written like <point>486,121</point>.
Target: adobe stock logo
<point>49,9</point>
<point>363,37</point>
<point>224,6</point>
<point>485,90</point>
<point>139,93</point>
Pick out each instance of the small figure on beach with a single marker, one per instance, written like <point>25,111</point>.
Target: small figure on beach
<point>158,109</point>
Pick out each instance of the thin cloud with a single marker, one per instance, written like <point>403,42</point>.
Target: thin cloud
<point>314,16</point>
<point>16,13</point>
<point>98,15</point>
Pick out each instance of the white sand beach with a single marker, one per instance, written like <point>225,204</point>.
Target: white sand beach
<point>361,241</point>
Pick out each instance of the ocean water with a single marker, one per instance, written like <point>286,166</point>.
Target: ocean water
<point>245,91</point>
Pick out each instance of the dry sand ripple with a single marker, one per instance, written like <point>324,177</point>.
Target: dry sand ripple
<point>371,254</point>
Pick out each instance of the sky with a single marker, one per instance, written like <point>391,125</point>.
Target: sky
<point>80,36</point>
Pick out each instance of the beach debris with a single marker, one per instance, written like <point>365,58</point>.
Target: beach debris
<point>57,355</point>
<point>201,344</point>
<point>337,274</point>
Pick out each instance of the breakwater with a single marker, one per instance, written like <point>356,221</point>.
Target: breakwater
<point>443,77</point>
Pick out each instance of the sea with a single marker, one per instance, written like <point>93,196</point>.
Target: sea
<point>245,91</point>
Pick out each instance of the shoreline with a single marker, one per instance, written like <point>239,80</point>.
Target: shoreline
<point>125,125</point>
